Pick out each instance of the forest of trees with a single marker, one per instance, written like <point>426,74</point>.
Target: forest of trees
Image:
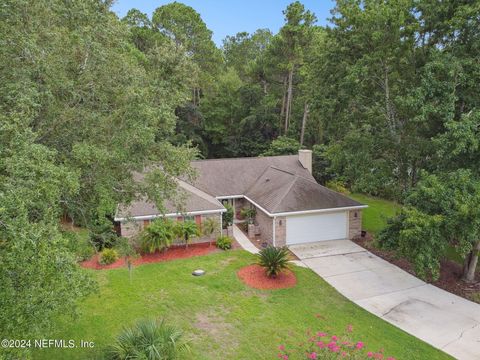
<point>387,96</point>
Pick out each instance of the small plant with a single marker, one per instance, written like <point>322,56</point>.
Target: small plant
<point>108,256</point>
<point>148,339</point>
<point>159,235</point>
<point>274,260</point>
<point>224,242</point>
<point>186,230</point>
<point>210,226</point>
<point>249,214</point>
<point>227,216</point>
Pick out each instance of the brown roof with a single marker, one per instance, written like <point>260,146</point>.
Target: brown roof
<point>278,191</point>
<point>194,200</point>
<point>223,177</point>
<point>276,183</point>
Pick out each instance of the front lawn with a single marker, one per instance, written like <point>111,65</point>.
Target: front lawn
<point>374,218</point>
<point>224,318</point>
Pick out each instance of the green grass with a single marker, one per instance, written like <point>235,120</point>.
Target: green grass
<point>374,218</point>
<point>223,318</point>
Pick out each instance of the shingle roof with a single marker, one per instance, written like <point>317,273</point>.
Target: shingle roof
<point>223,177</point>
<point>195,200</point>
<point>276,183</point>
<point>279,191</point>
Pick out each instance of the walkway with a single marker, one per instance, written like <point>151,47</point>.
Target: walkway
<point>243,240</point>
<point>442,319</point>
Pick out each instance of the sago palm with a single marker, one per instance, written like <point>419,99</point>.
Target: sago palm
<point>274,260</point>
<point>148,340</point>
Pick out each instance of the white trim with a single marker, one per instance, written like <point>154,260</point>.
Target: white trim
<point>322,210</point>
<point>190,213</point>
<point>229,197</point>
<point>274,232</point>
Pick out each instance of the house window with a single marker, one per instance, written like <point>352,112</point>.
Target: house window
<point>355,215</point>
<point>188,218</point>
<point>280,222</point>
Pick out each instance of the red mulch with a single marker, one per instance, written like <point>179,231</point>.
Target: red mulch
<point>254,276</point>
<point>173,253</point>
<point>450,271</point>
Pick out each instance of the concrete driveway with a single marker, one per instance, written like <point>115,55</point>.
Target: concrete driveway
<point>444,320</point>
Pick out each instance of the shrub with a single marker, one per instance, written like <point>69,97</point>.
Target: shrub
<point>227,216</point>
<point>102,235</point>
<point>322,345</point>
<point>148,339</point>
<point>224,242</point>
<point>159,235</point>
<point>210,226</point>
<point>274,260</point>
<point>79,244</point>
<point>186,230</point>
<point>108,256</point>
<point>338,186</point>
<point>249,214</point>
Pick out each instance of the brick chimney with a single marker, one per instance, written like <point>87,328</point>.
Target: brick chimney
<point>305,158</point>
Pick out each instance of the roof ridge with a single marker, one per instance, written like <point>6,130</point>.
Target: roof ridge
<point>196,191</point>
<point>243,158</point>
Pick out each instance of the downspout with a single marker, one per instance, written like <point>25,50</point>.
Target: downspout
<point>274,235</point>
<point>221,224</point>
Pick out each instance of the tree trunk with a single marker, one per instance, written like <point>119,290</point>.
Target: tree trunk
<point>470,264</point>
<point>304,122</point>
<point>288,109</point>
<point>284,100</point>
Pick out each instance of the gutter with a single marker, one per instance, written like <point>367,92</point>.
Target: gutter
<point>155,216</point>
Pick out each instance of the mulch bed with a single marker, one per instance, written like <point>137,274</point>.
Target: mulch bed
<point>254,276</point>
<point>450,271</point>
<point>173,253</point>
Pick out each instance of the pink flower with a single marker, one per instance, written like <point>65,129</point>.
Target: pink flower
<point>320,344</point>
<point>331,344</point>
<point>281,348</point>
<point>390,358</point>
<point>321,334</point>
<point>313,355</point>
<point>335,348</point>
<point>334,338</point>
<point>359,345</point>
<point>350,328</point>
<point>369,354</point>
<point>344,354</point>
<point>285,357</point>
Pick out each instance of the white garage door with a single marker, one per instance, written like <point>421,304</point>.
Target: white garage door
<point>316,227</point>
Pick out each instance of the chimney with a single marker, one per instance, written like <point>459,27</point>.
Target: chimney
<point>305,158</point>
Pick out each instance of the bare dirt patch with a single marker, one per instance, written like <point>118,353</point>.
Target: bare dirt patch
<point>255,276</point>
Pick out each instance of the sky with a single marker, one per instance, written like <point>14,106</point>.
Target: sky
<point>228,17</point>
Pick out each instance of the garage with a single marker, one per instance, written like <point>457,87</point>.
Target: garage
<point>307,228</point>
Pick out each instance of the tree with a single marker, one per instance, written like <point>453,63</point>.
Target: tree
<point>443,210</point>
<point>282,146</point>
<point>210,226</point>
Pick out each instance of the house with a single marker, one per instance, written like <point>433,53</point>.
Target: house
<point>291,207</point>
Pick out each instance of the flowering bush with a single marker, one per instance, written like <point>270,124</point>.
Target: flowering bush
<point>322,345</point>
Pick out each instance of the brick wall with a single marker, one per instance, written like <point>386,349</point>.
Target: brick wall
<point>355,223</point>
<point>280,231</point>
<point>265,223</point>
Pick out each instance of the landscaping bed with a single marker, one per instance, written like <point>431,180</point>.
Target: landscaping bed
<point>450,271</point>
<point>255,276</point>
<point>173,253</point>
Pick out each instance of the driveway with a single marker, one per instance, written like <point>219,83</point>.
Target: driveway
<point>444,320</point>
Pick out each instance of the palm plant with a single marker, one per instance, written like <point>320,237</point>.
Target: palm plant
<point>187,230</point>
<point>159,235</point>
<point>148,340</point>
<point>209,226</point>
<point>274,260</point>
